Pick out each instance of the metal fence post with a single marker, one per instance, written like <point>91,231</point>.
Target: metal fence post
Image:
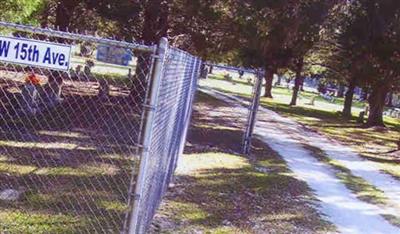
<point>135,222</point>
<point>252,117</point>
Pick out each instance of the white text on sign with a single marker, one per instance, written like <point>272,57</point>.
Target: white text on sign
<point>35,53</point>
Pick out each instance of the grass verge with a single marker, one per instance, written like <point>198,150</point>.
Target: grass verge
<point>363,190</point>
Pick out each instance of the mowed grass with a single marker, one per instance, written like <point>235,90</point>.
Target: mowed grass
<point>22,222</point>
<point>324,117</point>
<point>69,179</point>
<point>217,190</point>
<point>79,200</point>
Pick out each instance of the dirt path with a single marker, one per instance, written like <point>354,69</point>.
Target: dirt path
<point>341,206</point>
<point>363,168</point>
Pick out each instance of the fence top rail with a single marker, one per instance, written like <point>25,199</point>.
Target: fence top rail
<point>75,36</point>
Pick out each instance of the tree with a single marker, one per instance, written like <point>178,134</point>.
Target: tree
<point>142,21</point>
<point>340,67</point>
<point>336,54</point>
<point>243,33</point>
<point>272,34</point>
<point>19,11</point>
<point>371,31</point>
<point>262,31</point>
<point>306,32</point>
<point>155,26</point>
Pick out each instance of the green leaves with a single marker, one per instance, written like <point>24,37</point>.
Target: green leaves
<point>19,10</point>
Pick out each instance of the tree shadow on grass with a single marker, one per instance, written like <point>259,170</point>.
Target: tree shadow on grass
<point>242,195</point>
<point>391,160</point>
<point>239,196</point>
<point>204,99</point>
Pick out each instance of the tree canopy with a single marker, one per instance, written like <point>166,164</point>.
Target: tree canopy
<point>20,10</point>
<point>356,42</point>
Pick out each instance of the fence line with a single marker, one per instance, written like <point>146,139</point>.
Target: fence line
<point>173,91</point>
<point>253,104</point>
<point>100,140</point>
<point>151,107</point>
<point>252,115</point>
<point>74,36</point>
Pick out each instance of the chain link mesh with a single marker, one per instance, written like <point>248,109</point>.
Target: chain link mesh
<point>256,81</point>
<point>72,142</point>
<point>69,141</point>
<point>172,115</point>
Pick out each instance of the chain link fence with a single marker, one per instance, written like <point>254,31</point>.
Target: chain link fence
<point>255,81</point>
<point>90,148</point>
<point>252,113</point>
<point>170,106</point>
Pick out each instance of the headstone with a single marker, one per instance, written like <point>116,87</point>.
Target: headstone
<point>228,77</point>
<point>241,73</point>
<point>130,74</point>
<point>104,90</point>
<point>360,118</point>
<point>10,195</point>
<point>249,81</point>
<point>366,109</point>
<point>312,101</point>
<point>52,91</point>
<point>30,96</point>
<point>204,73</point>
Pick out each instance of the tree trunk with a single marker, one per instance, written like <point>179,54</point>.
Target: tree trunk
<point>211,70</point>
<point>376,101</point>
<point>140,80</point>
<point>279,81</point>
<point>302,84</point>
<point>348,101</point>
<point>296,88</point>
<point>341,90</point>
<point>44,16</point>
<point>269,77</point>
<point>389,102</point>
<point>64,11</point>
<point>298,81</point>
<point>155,27</point>
<point>364,94</point>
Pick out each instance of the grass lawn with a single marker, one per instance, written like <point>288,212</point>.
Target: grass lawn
<point>71,166</point>
<point>371,143</point>
<point>216,190</point>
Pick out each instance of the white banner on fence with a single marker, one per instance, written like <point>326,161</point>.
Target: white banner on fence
<point>35,53</point>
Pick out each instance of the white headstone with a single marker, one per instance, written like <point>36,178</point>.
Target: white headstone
<point>10,195</point>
